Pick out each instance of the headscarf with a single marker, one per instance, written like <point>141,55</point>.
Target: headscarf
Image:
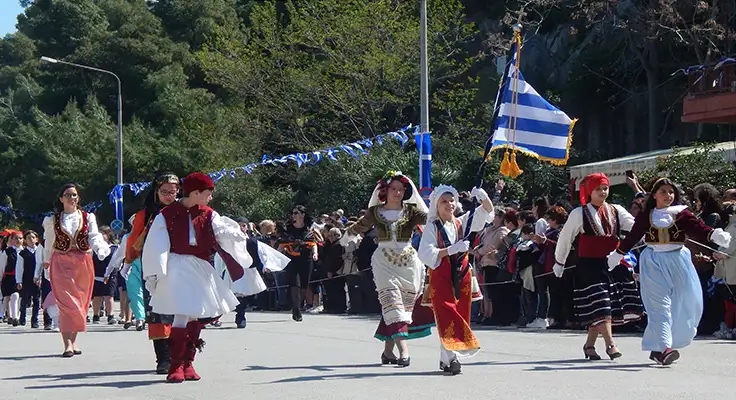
<point>589,184</point>
<point>411,195</point>
<point>434,198</point>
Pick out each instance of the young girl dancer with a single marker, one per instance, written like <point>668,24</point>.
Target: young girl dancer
<point>444,250</point>
<point>670,288</point>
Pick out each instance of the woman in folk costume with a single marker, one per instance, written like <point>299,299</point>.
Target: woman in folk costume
<point>176,266</point>
<point>443,249</point>
<point>163,191</point>
<point>71,236</point>
<point>602,298</point>
<point>395,209</point>
<point>265,259</point>
<point>670,287</point>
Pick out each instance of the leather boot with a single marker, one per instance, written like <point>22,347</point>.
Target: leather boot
<point>296,304</point>
<point>194,329</point>
<point>178,343</point>
<point>163,357</point>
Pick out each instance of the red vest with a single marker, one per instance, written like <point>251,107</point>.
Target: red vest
<point>177,223</point>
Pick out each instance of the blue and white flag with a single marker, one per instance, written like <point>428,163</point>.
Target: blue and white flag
<point>526,122</point>
<point>629,261</point>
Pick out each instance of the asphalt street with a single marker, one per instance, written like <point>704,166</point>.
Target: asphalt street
<point>335,357</point>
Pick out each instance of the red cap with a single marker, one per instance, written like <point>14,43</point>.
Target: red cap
<point>197,181</point>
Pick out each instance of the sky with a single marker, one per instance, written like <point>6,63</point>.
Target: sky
<point>9,10</point>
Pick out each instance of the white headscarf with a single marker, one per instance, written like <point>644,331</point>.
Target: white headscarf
<point>434,198</point>
<point>415,198</point>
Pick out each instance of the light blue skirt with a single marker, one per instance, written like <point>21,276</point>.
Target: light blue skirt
<point>672,297</point>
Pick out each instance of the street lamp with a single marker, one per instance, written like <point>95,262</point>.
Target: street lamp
<point>118,210</point>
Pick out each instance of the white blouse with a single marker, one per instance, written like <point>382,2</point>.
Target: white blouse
<point>71,223</point>
<point>574,227</point>
<point>429,249</point>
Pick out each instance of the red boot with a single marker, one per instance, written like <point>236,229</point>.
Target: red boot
<point>178,343</point>
<point>194,328</point>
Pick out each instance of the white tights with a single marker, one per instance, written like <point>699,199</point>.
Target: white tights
<point>181,321</point>
<point>14,306</point>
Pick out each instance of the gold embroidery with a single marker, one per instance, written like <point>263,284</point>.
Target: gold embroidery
<point>449,331</point>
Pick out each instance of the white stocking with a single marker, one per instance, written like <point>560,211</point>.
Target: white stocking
<point>180,321</point>
<point>14,309</point>
<point>53,312</point>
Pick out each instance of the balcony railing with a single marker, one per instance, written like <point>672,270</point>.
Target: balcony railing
<point>709,80</point>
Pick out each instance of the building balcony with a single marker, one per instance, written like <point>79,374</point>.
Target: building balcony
<point>712,95</point>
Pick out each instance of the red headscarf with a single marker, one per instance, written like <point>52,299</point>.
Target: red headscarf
<point>589,184</point>
<point>197,181</point>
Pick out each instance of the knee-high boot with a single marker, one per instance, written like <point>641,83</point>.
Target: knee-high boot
<point>296,304</point>
<point>163,357</point>
<point>178,345</point>
<point>194,328</point>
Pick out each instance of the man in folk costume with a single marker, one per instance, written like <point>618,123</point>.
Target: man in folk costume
<point>265,259</point>
<point>444,250</point>
<point>182,282</point>
<point>602,298</point>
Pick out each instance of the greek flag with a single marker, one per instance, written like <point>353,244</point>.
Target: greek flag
<point>526,122</point>
<point>629,261</point>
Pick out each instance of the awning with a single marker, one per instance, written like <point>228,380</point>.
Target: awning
<point>616,168</point>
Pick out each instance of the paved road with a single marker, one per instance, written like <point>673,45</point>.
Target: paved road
<point>330,357</point>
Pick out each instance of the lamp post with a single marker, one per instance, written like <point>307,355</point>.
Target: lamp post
<point>119,209</point>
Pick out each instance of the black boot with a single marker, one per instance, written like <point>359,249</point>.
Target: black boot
<point>163,357</point>
<point>296,304</point>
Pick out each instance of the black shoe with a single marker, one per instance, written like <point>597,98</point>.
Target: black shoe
<point>296,314</point>
<point>454,367</point>
<point>613,355</point>
<point>67,354</point>
<point>665,358</point>
<point>14,322</point>
<point>34,325</point>
<point>444,367</point>
<point>22,322</point>
<point>386,360</point>
<point>403,362</point>
<point>77,352</point>
<point>95,319</point>
<point>590,353</point>
<point>162,368</point>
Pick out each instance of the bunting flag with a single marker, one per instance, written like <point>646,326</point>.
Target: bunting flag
<point>526,122</point>
<point>354,150</point>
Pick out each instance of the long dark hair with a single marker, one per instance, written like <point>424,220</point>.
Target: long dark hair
<point>307,218</point>
<point>151,203</point>
<point>710,200</point>
<point>655,184</point>
<point>58,205</point>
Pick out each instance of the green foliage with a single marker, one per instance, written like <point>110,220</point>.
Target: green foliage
<point>212,84</point>
<point>703,164</point>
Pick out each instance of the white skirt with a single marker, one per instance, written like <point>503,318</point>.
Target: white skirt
<point>399,276</point>
<point>191,287</point>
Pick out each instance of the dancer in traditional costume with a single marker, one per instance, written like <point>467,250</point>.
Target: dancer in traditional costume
<point>395,209</point>
<point>163,191</point>
<point>602,298</point>
<point>670,288</point>
<point>265,259</point>
<point>71,236</point>
<point>176,265</point>
<point>445,250</point>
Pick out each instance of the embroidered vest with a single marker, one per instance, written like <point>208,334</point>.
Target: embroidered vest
<point>63,242</point>
<point>594,242</point>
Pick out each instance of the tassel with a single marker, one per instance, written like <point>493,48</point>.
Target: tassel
<point>505,164</point>
<point>514,170</point>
